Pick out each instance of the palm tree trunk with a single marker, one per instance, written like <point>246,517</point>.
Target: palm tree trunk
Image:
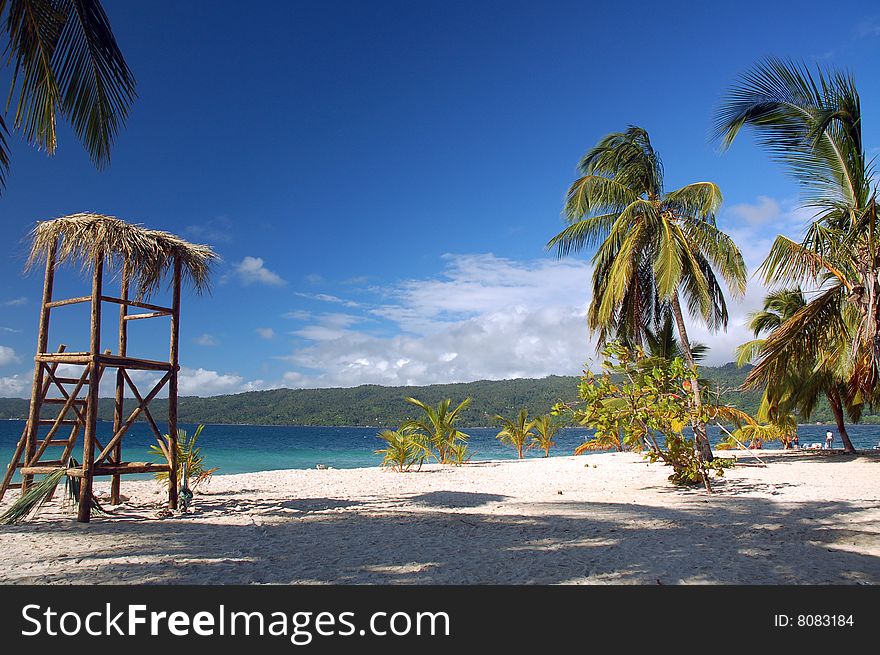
<point>837,409</point>
<point>704,449</point>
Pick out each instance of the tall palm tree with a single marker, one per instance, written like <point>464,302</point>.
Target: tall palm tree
<point>438,427</point>
<point>806,378</point>
<point>812,125</point>
<point>654,248</point>
<point>65,62</point>
<point>516,432</point>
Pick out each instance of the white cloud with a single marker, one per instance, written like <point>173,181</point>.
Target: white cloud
<point>479,284</point>
<point>507,344</point>
<point>16,302</point>
<point>201,382</point>
<point>266,333</point>
<point>329,327</point>
<point>252,270</point>
<point>758,213</point>
<point>8,356</point>
<point>191,382</point>
<point>207,340</point>
<point>15,386</point>
<point>297,315</point>
<point>326,297</point>
<point>485,317</point>
<point>9,329</point>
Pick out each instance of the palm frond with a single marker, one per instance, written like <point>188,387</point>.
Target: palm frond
<point>808,332</point>
<point>34,28</point>
<point>585,233</point>
<point>748,351</point>
<point>596,193</point>
<point>30,502</point>
<point>790,263</point>
<point>720,250</point>
<point>67,62</point>
<point>700,201</point>
<point>97,88</point>
<point>804,121</point>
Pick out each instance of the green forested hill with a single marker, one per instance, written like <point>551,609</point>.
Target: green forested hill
<point>375,405</point>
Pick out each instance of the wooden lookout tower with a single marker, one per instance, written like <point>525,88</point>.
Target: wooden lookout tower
<point>141,259</point>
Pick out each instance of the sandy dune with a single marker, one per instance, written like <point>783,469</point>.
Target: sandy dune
<point>609,518</point>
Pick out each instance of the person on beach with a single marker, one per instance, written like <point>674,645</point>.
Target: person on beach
<point>794,442</point>
<point>829,439</point>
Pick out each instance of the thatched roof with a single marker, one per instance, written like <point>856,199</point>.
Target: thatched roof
<point>150,253</point>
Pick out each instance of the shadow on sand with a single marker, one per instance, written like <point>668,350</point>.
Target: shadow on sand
<point>728,539</point>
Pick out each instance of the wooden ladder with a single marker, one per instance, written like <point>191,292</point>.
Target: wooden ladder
<point>68,401</point>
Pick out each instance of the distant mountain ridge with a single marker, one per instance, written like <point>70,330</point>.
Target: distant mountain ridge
<point>374,405</point>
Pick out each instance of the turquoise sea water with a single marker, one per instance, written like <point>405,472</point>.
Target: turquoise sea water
<point>248,448</point>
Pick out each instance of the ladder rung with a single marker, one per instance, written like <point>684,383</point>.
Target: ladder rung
<point>14,485</point>
<point>70,380</point>
<point>59,442</point>
<point>51,421</point>
<point>43,462</point>
<point>61,401</point>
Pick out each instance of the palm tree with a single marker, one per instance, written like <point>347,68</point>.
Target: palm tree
<point>806,378</point>
<point>516,432</point>
<point>655,248</point>
<point>663,344</point>
<point>812,125</point>
<point>65,62</point>
<point>403,449</point>
<point>437,427</point>
<point>545,430</point>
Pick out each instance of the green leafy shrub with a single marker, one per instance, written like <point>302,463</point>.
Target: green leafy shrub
<point>638,399</point>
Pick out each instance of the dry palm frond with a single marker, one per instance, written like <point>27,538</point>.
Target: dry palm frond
<point>30,502</point>
<point>150,254</point>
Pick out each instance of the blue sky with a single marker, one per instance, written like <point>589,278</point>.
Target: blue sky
<point>380,178</point>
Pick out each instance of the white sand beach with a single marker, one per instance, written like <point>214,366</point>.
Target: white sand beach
<point>598,519</point>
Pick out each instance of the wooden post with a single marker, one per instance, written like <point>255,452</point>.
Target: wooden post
<point>172,387</point>
<point>33,424</point>
<point>119,406</point>
<point>85,491</point>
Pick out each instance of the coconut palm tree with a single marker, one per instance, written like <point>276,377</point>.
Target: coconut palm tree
<point>812,125</point>
<point>806,378</point>
<point>662,342</point>
<point>545,430</point>
<point>655,249</point>
<point>65,63</point>
<point>516,432</point>
<point>438,428</point>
